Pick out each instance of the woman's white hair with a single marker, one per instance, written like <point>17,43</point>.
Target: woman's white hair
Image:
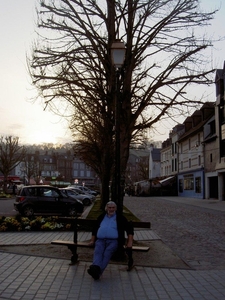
<point>110,203</point>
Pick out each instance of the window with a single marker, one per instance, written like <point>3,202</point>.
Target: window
<point>48,192</point>
<point>189,162</point>
<point>199,140</point>
<point>189,182</point>
<point>198,185</point>
<point>222,147</point>
<point>31,191</point>
<point>222,142</point>
<point>181,185</point>
<point>213,127</point>
<point>210,157</point>
<point>82,166</point>
<point>219,87</point>
<point>199,160</point>
<point>222,113</point>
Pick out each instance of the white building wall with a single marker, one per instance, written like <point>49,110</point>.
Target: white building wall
<point>191,155</point>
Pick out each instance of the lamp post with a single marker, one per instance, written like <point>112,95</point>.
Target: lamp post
<point>118,54</point>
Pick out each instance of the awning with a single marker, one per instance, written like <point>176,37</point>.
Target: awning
<point>166,180</point>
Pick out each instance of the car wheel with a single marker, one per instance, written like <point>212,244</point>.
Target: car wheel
<point>72,212</point>
<point>28,211</point>
<point>86,202</point>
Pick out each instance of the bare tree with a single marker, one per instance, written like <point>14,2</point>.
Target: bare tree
<point>11,154</point>
<point>72,69</point>
<point>31,165</point>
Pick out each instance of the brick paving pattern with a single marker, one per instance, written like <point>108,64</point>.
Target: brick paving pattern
<point>196,234</point>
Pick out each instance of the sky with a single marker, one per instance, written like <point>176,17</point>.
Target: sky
<point>19,114</point>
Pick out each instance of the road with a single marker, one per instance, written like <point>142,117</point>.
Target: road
<point>6,207</point>
<point>194,233</point>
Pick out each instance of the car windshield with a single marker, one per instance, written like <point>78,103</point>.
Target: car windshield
<point>64,193</point>
<point>77,191</point>
<point>86,189</point>
<point>72,193</point>
<point>48,192</point>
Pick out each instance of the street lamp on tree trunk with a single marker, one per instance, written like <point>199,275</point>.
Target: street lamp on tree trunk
<point>118,54</point>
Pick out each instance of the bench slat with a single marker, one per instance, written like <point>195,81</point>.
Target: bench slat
<point>85,244</point>
<point>70,243</point>
<point>87,222</point>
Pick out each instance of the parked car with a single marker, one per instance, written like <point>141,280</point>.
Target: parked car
<point>41,199</point>
<point>84,198</point>
<point>79,191</point>
<point>84,189</point>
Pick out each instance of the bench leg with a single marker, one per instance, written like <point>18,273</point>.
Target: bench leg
<point>74,257</point>
<point>130,259</point>
<point>73,249</point>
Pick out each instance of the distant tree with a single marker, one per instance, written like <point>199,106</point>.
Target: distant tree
<point>31,166</point>
<point>11,154</point>
<point>143,168</point>
<point>71,67</point>
<point>91,144</point>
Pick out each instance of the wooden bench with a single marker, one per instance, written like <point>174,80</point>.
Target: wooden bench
<point>86,224</point>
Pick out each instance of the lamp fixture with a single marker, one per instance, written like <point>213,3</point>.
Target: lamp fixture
<point>118,53</point>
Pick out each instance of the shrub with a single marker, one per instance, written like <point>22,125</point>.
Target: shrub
<point>19,223</point>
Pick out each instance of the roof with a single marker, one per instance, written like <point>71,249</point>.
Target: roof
<point>206,111</point>
<point>139,152</point>
<point>156,154</point>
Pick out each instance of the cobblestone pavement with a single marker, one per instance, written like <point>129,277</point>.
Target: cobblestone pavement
<point>196,234</point>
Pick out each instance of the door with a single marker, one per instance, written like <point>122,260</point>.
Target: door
<point>213,187</point>
<point>49,201</point>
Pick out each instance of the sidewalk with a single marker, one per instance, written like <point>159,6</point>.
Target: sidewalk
<point>33,277</point>
<point>205,203</point>
<point>29,277</point>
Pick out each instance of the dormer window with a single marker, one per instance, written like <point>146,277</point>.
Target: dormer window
<point>220,87</point>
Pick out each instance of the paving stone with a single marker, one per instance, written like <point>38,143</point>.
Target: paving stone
<point>195,233</point>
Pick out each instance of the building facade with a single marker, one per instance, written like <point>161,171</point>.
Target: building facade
<point>191,172</point>
<point>200,156</point>
<point>183,154</point>
<point>211,153</point>
<point>154,162</point>
<point>220,131</point>
<point>57,168</point>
